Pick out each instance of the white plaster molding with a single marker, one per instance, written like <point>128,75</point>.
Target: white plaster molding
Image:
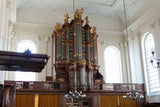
<point>146,18</point>
<point>125,44</point>
<point>98,4</point>
<point>108,31</point>
<point>8,3</point>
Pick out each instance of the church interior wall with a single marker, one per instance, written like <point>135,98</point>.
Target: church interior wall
<point>149,22</point>
<point>110,34</point>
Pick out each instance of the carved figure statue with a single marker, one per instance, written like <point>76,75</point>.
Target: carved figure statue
<point>66,18</point>
<point>78,13</point>
<point>94,29</point>
<point>58,26</point>
<point>87,21</point>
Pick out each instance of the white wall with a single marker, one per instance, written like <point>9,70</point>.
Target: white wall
<point>37,25</point>
<point>38,34</point>
<point>110,38</point>
<point>149,22</point>
<point>7,20</point>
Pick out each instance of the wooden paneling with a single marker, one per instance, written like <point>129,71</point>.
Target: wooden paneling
<point>49,101</point>
<point>102,95</point>
<point>116,101</point>
<point>37,100</point>
<point>25,100</point>
<point>109,101</point>
<point>127,102</point>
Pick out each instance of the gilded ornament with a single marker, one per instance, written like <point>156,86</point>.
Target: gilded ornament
<point>61,79</point>
<point>83,62</point>
<point>66,18</point>
<point>87,21</point>
<point>78,13</point>
<point>58,26</point>
<point>94,29</point>
<point>90,66</point>
<point>72,65</point>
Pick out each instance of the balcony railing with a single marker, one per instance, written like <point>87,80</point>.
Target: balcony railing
<point>62,86</point>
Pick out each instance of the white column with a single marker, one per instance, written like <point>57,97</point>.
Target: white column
<point>6,8</point>
<point>43,39</point>
<point>3,25</point>
<point>49,52</point>
<point>127,62</point>
<point>123,62</point>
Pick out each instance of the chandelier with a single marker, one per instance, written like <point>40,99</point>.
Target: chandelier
<point>154,59</point>
<point>73,98</point>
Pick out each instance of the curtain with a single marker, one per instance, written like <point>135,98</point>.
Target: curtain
<point>25,100</point>
<point>49,101</point>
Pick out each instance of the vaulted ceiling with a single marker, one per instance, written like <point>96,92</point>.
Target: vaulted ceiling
<point>102,13</point>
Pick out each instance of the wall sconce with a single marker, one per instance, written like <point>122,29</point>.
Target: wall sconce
<point>154,60</point>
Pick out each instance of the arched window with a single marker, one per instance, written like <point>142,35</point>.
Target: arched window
<point>113,65</point>
<point>21,47</point>
<point>26,44</point>
<point>152,77</point>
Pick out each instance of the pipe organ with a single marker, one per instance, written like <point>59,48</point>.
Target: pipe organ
<point>76,58</point>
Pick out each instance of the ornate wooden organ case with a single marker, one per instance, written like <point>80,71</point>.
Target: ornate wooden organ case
<point>76,58</point>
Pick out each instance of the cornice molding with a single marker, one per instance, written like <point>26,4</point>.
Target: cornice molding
<point>147,18</point>
<point>98,4</point>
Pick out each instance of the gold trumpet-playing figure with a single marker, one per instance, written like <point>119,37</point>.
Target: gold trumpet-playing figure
<point>66,18</point>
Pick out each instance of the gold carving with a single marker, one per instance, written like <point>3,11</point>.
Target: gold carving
<point>72,65</point>
<point>94,29</point>
<point>97,80</point>
<point>83,62</point>
<point>58,26</point>
<point>87,21</point>
<point>66,18</point>
<point>79,55</point>
<point>78,13</point>
<point>90,66</point>
<point>61,79</point>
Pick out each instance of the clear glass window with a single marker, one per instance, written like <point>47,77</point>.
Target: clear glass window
<point>113,65</point>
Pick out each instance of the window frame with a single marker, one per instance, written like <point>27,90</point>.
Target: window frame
<point>119,60</point>
<point>146,72</point>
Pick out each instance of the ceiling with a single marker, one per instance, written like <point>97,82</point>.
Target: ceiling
<point>36,11</point>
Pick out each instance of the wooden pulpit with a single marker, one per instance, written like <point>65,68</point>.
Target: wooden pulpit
<point>14,61</point>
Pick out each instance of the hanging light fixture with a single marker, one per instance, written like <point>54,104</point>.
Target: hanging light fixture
<point>132,95</point>
<point>73,98</point>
